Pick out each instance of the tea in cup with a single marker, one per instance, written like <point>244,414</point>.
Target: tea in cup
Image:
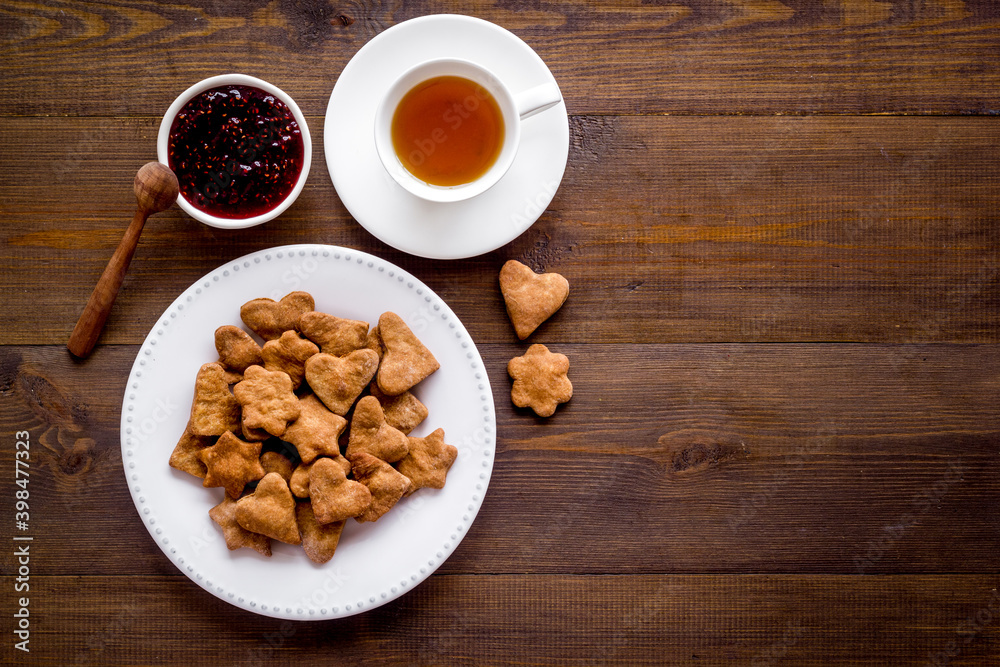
<point>448,129</point>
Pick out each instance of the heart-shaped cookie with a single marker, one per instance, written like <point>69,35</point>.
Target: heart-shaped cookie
<point>269,318</point>
<point>318,540</point>
<point>338,381</point>
<point>270,510</point>
<point>333,496</point>
<point>403,411</point>
<point>531,298</point>
<point>299,481</point>
<point>236,348</point>
<point>371,434</point>
<point>406,360</point>
<point>334,335</point>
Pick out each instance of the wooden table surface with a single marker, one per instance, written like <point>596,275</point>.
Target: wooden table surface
<point>779,222</point>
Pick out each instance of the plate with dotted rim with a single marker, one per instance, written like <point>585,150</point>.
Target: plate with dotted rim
<point>374,562</point>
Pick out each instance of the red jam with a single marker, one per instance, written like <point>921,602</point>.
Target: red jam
<point>237,151</point>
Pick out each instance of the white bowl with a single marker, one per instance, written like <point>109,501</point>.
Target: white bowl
<point>163,138</point>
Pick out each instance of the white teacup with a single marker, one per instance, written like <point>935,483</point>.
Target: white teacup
<point>514,108</point>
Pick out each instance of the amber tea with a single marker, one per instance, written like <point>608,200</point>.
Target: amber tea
<point>447,131</point>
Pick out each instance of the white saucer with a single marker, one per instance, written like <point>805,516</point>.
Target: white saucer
<point>390,213</point>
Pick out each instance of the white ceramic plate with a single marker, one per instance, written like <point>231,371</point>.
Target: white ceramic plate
<point>402,220</point>
<point>375,562</point>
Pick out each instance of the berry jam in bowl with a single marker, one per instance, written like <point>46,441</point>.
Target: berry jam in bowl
<point>240,148</point>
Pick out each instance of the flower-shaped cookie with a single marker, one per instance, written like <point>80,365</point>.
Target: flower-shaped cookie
<point>267,399</point>
<point>540,380</point>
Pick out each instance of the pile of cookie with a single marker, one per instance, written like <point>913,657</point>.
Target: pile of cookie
<point>267,421</point>
<point>541,380</point>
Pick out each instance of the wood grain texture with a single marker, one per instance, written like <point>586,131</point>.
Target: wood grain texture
<point>702,459</point>
<point>541,620</point>
<point>779,224</point>
<point>683,57</point>
<point>879,229</point>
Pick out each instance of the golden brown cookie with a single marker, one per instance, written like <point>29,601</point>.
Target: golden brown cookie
<point>428,461</point>
<point>254,434</point>
<point>231,463</point>
<point>406,360</point>
<point>299,482</point>
<point>236,348</point>
<point>385,483</point>
<point>404,411</point>
<point>267,400</point>
<point>371,434</point>
<point>317,430</point>
<point>531,298</point>
<point>277,462</point>
<point>270,510</point>
<point>338,381</point>
<point>540,380</point>
<point>318,540</point>
<point>185,455</point>
<point>333,496</point>
<point>373,341</point>
<point>214,410</point>
<point>334,335</point>
<point>269,318</point>
<point>236,535</point>
<point>232,377</point>
<point>288,354</point>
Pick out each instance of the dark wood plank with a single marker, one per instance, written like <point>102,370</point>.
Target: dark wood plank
<point>685,57</point>
<point>510,619</point>
<point>669,229</point>
<point>857,459</point>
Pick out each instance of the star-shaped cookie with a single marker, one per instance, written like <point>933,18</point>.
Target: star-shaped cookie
<point>236,535</point>
<point>231,463</point>
<point>428,461</point>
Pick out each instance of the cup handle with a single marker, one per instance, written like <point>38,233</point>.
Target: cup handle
<point>537,99</point>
